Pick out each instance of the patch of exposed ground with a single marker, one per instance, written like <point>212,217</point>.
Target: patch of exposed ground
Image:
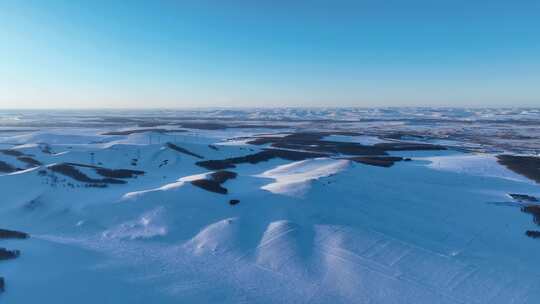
<point>534,210</point>
<point>110,176</point>
<point>258,157</point>
<point>31,162</point>
<point>12,152</point>
<point>7,254</point>
<point>12,234</point>
<point>528,166</point>
<point>183,150</point>
<point>523,198</point>
<point>214,181</point>
<point>27,159</point>
<point>379,161</point>
<point>111,173</point>
<point>528,204</point>
<point>301,146</point>
<point>313,141</point>
<point>533,234</point>
<point>7,168</point>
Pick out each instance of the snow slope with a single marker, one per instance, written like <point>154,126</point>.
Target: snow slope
<point>475,164</point>
<point>438,229</point>
<point>294,179</point>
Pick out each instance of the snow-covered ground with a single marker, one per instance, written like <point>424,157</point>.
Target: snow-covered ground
<point>294,179</point>
<point>474,164</point>
<point>438,229</point>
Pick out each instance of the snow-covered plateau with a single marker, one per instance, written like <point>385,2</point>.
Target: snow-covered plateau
<point>270,206</point>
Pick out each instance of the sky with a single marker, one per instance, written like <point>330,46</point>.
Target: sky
<point>240,53</point>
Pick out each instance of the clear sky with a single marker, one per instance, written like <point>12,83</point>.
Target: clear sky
<point>269,53</point>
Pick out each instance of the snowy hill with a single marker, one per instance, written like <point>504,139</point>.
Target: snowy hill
<point>135,217</point>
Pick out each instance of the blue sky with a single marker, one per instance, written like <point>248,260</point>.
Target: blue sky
<point>269,53</point>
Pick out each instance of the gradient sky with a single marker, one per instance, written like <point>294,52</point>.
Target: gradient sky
<point>269,53</point>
